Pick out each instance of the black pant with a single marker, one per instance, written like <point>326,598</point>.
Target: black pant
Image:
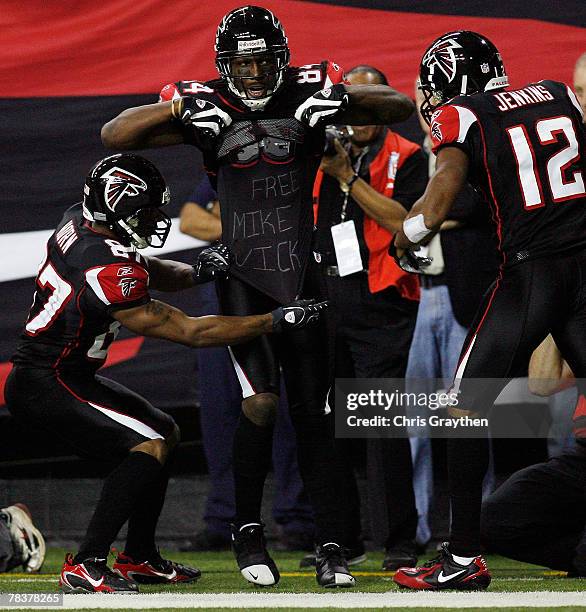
<point>539,514</point>
<point>99,418</point>
<point>528,301</point>
<point>372,334</point>
<point>303,357</point>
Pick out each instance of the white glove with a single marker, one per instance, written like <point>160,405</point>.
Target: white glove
<point>203,115</point>
<point>322,106</point>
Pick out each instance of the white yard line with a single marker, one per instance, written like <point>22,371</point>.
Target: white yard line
<point>244,601</point>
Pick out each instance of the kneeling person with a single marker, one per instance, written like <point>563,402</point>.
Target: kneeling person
<point>91,282</point>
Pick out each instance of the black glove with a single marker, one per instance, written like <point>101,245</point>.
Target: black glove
<point>410,261</point>
<point>207,118</point>
<point>212,263</point>
<point>297,314</point>
<point>322,106</point>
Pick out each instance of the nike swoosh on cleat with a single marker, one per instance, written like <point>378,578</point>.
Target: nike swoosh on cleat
<point>253,576</point>
<point>95,583</point>
<point>442,578</point>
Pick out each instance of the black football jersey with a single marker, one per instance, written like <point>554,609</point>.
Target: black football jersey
<point>527,151</point>
<point>263,166</point>
<point>83,279</point>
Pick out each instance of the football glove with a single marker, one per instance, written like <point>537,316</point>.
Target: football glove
<point>212,263</point>
<point>204,116</point>
<point>297,314</point>
<point>323,106</point>
<point>411,260</point>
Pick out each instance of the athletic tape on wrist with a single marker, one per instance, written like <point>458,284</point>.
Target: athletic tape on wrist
<point>415,228</point>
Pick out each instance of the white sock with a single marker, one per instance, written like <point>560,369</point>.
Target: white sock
<point>463,560</point>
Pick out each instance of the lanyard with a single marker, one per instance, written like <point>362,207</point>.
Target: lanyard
<point>356,167</point>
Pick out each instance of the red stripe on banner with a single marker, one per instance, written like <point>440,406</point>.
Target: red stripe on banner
<point>125,47</point>
<point>121,350</point>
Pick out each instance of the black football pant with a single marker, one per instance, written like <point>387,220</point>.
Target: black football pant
<point>302,355</point>
<point>101,420</point>
<point>538,515</point>
<point>372,333</point>
<point>528,301</point>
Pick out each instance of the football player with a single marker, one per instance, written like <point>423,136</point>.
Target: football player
<point>91,282</point>
<point>524,150</point>
<point>260,127</point>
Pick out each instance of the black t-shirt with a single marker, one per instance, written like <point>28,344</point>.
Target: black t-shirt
<point>527,151</point>
<point>263,167</point>
<point>83,279</point>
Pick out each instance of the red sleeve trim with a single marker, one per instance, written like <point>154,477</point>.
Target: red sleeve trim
<point>445,127</point>
<point>118,283</point>
<point>168,92</point>
<point>335,74</point>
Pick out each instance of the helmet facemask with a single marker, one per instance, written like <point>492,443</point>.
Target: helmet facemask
<point>147,227</point>
<point>243,86</point>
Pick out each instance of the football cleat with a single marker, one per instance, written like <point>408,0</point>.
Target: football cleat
<point>332,568</point>
<point>400,555</point>
<point>355,554</point>
<point>26,538</point>
<point>92,576</point>
<point>444,572</point>
<point>251,553</point>
<point>154,571</point>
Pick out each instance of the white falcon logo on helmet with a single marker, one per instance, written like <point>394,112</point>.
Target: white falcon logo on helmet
<point>121,183</point>
<point>442,56</point>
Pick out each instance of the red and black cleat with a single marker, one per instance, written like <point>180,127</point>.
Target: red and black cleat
<point>92,576</point>
<point>154,571</point>
<point>444,572</point>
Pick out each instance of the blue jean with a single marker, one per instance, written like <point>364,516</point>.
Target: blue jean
<point>220,403</point>
<point>561,407</point>
<point>434,354</point>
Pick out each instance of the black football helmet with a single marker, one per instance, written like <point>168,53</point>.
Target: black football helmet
<point>125,192</point>
<point>459,63</point>
<point>247,31</point>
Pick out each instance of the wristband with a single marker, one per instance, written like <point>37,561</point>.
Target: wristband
<point>176,108</point>
<point>415,228</point>
<point>278,315</point>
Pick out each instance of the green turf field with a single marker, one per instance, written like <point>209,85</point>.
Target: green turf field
<point>219,575</point>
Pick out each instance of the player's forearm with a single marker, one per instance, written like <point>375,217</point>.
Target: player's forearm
<point>168,275</point>
<point>141,127</point>
<point>376,104</point>
<point>388,213</point>
<point>429,212</point>
<point>215,330</point>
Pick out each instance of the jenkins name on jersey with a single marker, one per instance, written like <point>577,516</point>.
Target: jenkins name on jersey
<point>527,151</point>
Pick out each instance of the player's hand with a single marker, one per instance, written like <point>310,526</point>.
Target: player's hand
<point>297,314</point>
<point>409,260</point>
<point>212,263</point>
<point>204,116</point>
<point>322,106</point>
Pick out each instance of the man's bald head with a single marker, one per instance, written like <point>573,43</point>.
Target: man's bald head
<point>580,81</point>
<point>366,75</point>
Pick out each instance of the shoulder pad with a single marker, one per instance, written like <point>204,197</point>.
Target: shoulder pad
<point>450,124</point>
<point>118,283</point>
